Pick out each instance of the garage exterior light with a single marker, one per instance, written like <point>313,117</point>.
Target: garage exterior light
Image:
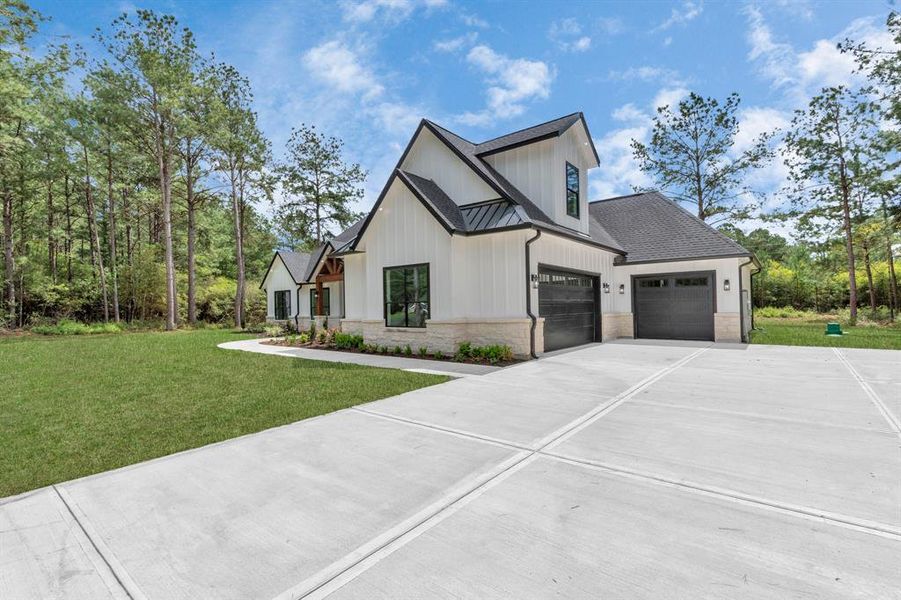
<point>606,287</point>
<point>622,288</point>
<point>726,285</point>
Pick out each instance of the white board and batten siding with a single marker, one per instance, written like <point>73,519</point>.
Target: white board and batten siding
<point>277,280</point>
<point>539,171</point>
<point>429,157</point>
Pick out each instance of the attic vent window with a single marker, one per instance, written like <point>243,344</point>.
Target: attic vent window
<point>572,191</point>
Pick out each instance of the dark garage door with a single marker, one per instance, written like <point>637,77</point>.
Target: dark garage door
<point>569,304</point>
<point>677,307</point>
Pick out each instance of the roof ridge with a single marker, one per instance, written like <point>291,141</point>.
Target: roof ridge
<point>446,130</point>
<point>623,196</point>
<point>579,113</point>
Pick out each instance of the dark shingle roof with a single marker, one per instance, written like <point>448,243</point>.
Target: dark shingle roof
<point>443,205</point>
<point>315,257</point>
<point>651,227</point>
<point>528,135</point>
<point>296,262</point>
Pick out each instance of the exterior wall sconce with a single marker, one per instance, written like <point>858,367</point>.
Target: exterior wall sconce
<point>622,288</point>
<point>534,277</point>
<point>606,287</point>
<point>726,285</point>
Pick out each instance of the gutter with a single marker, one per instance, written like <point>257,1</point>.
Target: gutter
<point>532,316</point>
<point>741,306</point>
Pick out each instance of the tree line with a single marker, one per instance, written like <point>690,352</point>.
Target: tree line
<point>842,152</point>
<point>134,185</point>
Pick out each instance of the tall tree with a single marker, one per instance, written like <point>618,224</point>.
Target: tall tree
<point>193,149</point>
<point>692,157</point>
<point>157,60</point>
<point>825,150</point>
<point>241,154</point>
<point>320,188</point>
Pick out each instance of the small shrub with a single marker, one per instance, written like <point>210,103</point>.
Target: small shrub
<point>397,350</point>
<point>68,327</point>
<point>496,353</point>
<point>423,351</point>
<point>304,338</point>
<point>383,349</point>
<point>408,351</point>
<point>290,339</point>
<point>464,350</point>
<point>439,355</point>
<point>322,336</point>
<point>273,330</point>
<point>347,341</point>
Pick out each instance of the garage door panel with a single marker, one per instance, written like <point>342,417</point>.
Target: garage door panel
<point>568,303</point>
<point>674,306</point>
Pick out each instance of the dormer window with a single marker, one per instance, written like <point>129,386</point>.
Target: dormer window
<point>572,191</point>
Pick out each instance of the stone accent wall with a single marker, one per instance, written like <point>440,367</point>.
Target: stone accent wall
<point>616,325</point>
<point>447,335</point>
<point>727,327</point>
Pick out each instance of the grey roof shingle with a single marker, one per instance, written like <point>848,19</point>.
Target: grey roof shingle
<point>651,227</point>
<point>296,262</point>
<point>529,134</point>
<point>440,201</point>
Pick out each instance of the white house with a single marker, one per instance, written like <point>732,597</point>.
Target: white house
<point>497,242</point>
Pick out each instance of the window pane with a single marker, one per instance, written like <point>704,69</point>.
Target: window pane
<point>572,203</point>
<point>326,301</point>
<point>417,313</point>
<point>572,178</point>
<point>421,275</point>
<point>396,314</point>
<point>394,285</point>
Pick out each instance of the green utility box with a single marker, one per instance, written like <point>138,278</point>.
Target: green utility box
<point>833,329</point>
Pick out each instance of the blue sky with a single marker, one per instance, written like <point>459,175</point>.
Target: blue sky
<point>368,70</point>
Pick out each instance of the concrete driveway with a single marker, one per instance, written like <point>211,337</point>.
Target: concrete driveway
<point>624,470</point>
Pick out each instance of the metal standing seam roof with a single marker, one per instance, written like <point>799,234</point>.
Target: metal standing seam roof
<point>492,215</point>
<point>652,228</point>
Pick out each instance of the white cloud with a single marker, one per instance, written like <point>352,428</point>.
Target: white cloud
<point>471,20</point>
<point>669,96</point>
<point>804,72</point>
<point>336,65</point>
<point>389,10</point>
<point>397,118</point>
<point>610,25</point>
<point>688,11</point>
<point>454,44</point>
<point>511,83</point>
<point>630,113</point>
<point>567,34</point>
<point>618,173</point>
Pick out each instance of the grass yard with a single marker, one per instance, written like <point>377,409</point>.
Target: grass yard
<point>801,332</point>
<point>72,406</point>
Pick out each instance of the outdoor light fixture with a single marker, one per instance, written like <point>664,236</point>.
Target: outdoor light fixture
<point>534,277</point>
<point>725,285</point>
<point>622,288</point>
<point>606,287</point>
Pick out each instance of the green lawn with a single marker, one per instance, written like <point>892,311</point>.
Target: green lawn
<point>72,406</point>
<point>800,332</point>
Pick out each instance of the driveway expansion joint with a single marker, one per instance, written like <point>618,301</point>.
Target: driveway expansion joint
<point>310,590</point>
<point>893,422</point>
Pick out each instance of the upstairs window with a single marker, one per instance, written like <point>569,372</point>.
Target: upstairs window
<point>572,191</point>
<point>282,300</point>
<point>407,296</point>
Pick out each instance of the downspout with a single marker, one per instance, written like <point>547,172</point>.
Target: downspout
<point>741,304</point>
<point>532,316</point>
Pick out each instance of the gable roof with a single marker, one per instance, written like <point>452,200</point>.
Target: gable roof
<point>295,262</point>
<point>536,133</point>
<point>525,214</point>
<point>653,228</point>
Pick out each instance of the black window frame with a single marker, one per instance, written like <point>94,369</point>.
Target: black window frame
<point>407,301</point>
<point>577,191</point>
<point>326,302</point>
<point>286,304</point>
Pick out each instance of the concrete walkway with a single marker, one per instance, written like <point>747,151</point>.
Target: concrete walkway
<point>418,365</point>
<point>616,471</point>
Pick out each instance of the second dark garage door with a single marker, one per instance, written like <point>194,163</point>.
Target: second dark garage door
<point>569,304</point>
<point>678,307</point>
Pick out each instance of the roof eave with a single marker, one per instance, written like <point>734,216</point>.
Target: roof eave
<point>629,263</point>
